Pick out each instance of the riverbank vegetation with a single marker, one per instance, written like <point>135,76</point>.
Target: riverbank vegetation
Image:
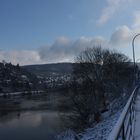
<point>101,77</point>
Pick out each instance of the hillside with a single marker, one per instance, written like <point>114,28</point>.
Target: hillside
<point>14,78</point>
<point>50,69</point>
<point>52,75</point>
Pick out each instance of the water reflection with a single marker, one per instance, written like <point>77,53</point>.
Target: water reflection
<point>28,119</point>
<point>28,125</point>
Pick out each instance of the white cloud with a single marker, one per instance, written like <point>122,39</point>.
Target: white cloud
<point>121,36</point>
<point>121,40</point>
<point>22,57</point>
<point>108,11</point>
<point>64,49</point>
<point>111,8</point>
<point>136,23</point>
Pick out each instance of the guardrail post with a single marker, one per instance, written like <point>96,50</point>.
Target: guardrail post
<point>123,132</point>
<point>131,133</point>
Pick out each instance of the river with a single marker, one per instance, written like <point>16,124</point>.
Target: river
<point>34,117</point>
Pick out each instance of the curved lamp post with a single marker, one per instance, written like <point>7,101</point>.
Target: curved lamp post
<point>133,45</point>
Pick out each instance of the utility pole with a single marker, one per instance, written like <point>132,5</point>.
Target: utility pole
<point>133,48</point>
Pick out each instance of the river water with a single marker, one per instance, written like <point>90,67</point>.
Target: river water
<point>30,118</point>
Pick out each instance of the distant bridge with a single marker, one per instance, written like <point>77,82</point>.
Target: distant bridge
<point>21,93</point>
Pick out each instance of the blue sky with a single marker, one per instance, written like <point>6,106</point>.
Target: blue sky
<point>48,31</point>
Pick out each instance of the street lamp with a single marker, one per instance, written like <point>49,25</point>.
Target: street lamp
<point>133,41</point>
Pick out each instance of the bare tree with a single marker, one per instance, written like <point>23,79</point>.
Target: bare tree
<point>97,73</point>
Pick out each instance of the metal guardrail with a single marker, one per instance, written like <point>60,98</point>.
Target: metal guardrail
<point>125,126</point>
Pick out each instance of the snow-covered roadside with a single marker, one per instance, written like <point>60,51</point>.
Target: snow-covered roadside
<point>101,130</point>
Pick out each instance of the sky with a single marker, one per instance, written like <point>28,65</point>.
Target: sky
<point>51,31</point>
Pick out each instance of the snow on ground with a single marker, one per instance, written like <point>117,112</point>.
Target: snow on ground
<point>101,130</point>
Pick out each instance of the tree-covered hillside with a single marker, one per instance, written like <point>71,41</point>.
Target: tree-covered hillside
<point>14,78</point>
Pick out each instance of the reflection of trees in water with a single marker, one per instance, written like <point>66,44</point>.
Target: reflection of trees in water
<point>47,116</point>
<point>9,108</point>
<point>13,107</point>
<point>30,102</point>
<point>6,115</point>
<point>19,103</point>
<point>66,112</point>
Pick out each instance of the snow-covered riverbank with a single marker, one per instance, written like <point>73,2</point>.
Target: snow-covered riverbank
<point>101,130</point>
